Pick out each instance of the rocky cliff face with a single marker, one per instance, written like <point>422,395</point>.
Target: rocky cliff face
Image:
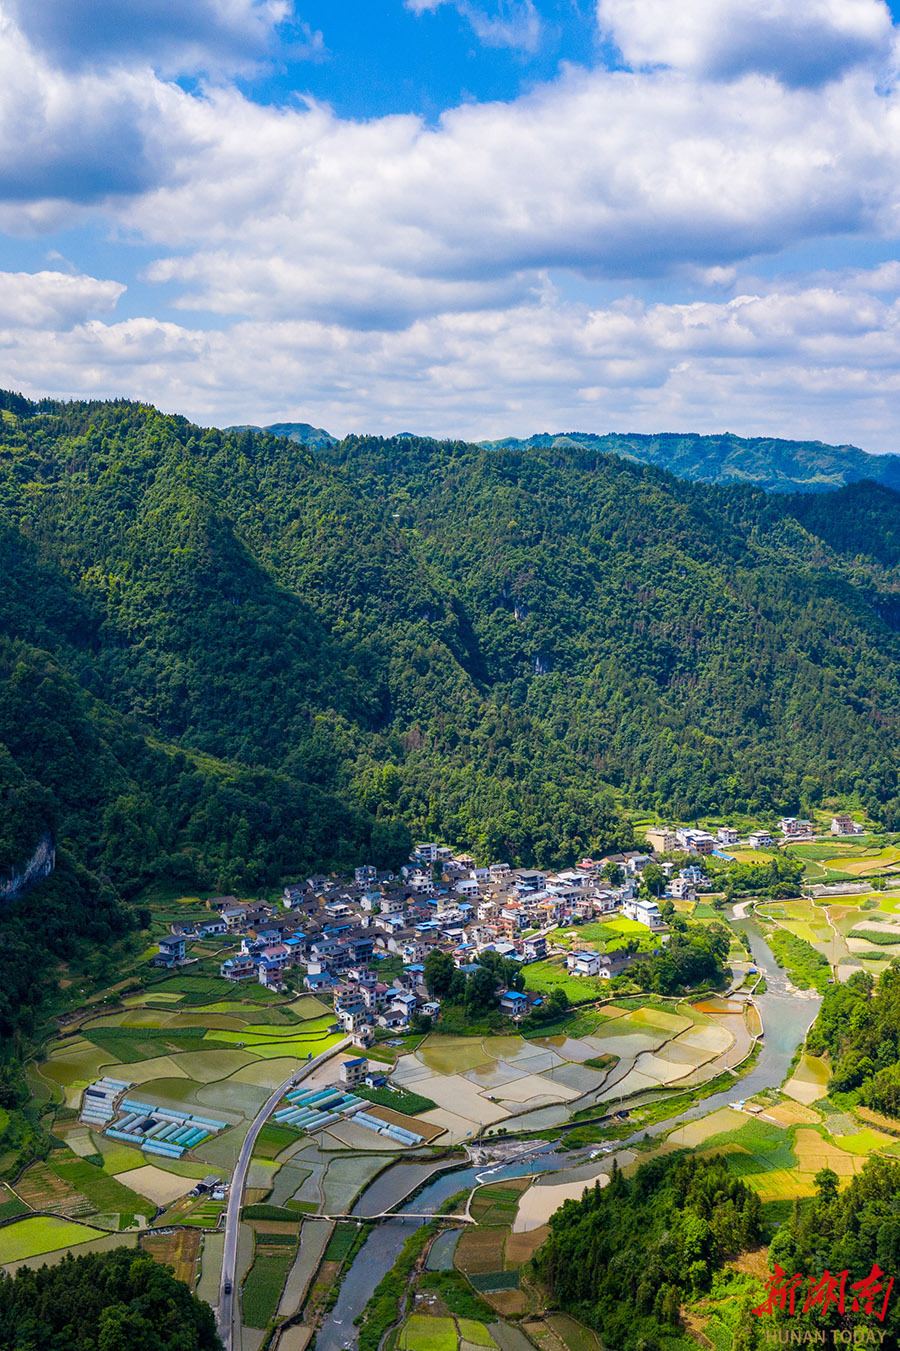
<point>39,866</point>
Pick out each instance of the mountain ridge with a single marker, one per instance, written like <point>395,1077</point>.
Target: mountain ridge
<point>253,659</point>
<point>776,464</point>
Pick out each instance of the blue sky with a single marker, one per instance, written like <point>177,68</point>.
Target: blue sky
<point>466,217</point>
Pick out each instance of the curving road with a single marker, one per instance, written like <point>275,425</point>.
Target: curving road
<point>229,1310</point>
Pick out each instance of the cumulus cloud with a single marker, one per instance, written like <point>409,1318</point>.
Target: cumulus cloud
<point>608,174</point>
<point>804,43</point>
<point>386,273</point>
<point>74,138</point>
<point>169,34</point>
<point>814,360</point>
<point>54,299</point>
<point>511,23</point>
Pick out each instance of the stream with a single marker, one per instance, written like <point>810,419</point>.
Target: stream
<point>786,1019</point>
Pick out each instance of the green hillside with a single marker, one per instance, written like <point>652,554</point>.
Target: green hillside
<point>229,660</point>
<point>771,463</point>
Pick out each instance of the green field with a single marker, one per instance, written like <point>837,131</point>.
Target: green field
<point>421,1333</point>
<point>340,1243</point>
<point>544,977</point>
<point>43,1234</point>
<point>264,1282</point>
<point>398,1099</point>
<point>272,1139</point>
<point>475,1332</point>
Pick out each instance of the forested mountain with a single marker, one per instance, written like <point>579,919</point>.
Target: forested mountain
<point>304,433</point>
<point>623,1258</point>
<point>769,462</point>
<point>228,659</point>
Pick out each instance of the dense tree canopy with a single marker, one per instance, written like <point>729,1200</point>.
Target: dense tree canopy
<point>113,1301</point>
<point>623,1258</point>
<point>859,1026</point>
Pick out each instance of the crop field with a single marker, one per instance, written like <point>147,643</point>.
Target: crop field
<point>480,1251</point>
<point>104,1192</point>
<point>265,1280</point>
<point>273,1138</point>
<point>179,1249</point>
<point>545,977</point>
<point>865,1141</point>
<point>422,1333</point>
<point>781,1185</point>
<point>42,1234</point>
<point>473,1332</point>
<point>497,1204</point>
<point>814,1151</point>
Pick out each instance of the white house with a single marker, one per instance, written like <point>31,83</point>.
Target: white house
<point>432,853</point>
<point>645,912</point>
<point>584,963</point>
<point>466,886</point>
<point>696,841</point>
<point>843,824</point>
<point>760,839</point>
<point>727,835</point>
<point>792,826</point>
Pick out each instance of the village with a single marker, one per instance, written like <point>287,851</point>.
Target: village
<point>338,931</point>
<point>277,1069</point>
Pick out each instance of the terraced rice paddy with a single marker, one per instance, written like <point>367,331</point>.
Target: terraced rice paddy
<point>481,1082</point>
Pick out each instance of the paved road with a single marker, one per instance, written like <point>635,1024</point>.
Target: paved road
<point>229,1305</point>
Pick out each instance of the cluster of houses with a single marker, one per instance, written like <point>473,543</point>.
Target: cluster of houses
<point>338,931</point>
<point>691,840</point>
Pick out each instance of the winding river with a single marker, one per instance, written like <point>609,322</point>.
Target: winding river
<point>786,1018</point>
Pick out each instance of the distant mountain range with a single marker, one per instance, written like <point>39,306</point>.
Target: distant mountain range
<point>771,463</point>
<point>303,433</point>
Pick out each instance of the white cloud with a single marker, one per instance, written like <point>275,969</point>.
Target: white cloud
<point>816,360</point>
<point>387,273</point>
<point>171,35</point>
<point>511,23</point>
<point>612,175</point>
<point>44,300</point>
<point>799,41</point>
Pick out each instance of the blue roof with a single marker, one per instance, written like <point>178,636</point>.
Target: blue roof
<point>516,995</point>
